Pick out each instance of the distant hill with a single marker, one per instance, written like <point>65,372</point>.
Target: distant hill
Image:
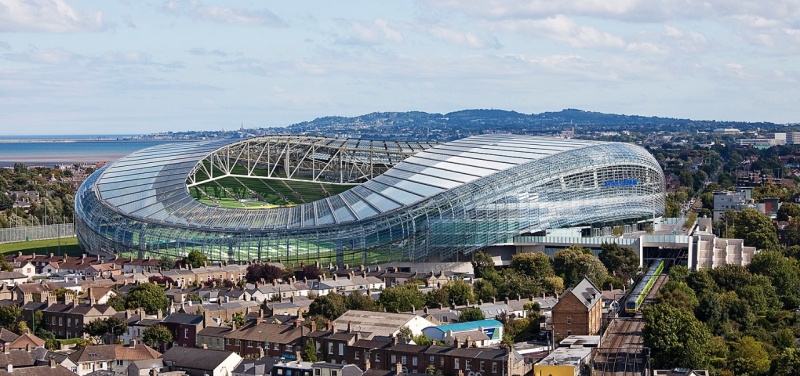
<point>423,125</point>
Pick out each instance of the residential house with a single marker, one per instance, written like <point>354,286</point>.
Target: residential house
<point>59,358</point>
<point>564,361</point>
<point>329,369</point>
<point>100,295</point>
<point>6,338</point>
<point>380,323</point>
<point>481,333</point>
<point>66,320</point>
<point>115,358</point>
<point>213,337</point>
<point>201,362</point>
<point>184,328</point>
<point>13,278</point>
<point>579,310</point>
<point>16,359</point>
<point>258,367</point>
<point>136,265</point>
<point>25,267</point>
<point>26,341</point>
<point>293,368</point>
<point>294,306</point>
<point>261,338</point>
<point>49,370</point>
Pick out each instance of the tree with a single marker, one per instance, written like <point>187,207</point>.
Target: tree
<point>148,296</point>
<point>309,353</point>
<point>678,273</point>
<point>470,314</point>
<point>459,292</point>
<point>782,272</point>
<point>575,262</point>
<point>156,335</point>
<point>166,263</point>
<point>481,263</point>
<point>749,357</point>
<point>787,363</point>
<point>787,210</point>
<point>678,295</point>
<point>554,284</point>
<point>358,301</point>
<point>405,333</point>
<point>756,229</point>
<point>4,265</point>
<point>238,319</point>
<point>401,298</point>
<point>484,290</point>
<point>622,262</point>
<point>423,340</point>
<point>310,272</point>
<point>676,337</point>
<point>61,291</point>
<point>329,306</point>
<point>9,315</point>
<point>196,258</point>
<point>535,265</point>
<point>117,301</point>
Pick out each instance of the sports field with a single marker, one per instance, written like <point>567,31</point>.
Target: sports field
<point>261,193</point>
<point>68,245</point>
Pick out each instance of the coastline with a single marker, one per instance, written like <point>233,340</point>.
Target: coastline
<point>50,161</point>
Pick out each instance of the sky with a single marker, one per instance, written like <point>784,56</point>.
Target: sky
<point>134,67</point>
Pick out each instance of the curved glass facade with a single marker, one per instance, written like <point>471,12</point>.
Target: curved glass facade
<point>434,202</point>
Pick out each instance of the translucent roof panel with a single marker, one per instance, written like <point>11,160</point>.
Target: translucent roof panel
<point>150,184</point>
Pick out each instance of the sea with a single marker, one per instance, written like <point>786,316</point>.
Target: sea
<point>54,150</point>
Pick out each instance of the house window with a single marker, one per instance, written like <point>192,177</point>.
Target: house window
<point>455,363</point>
<point>341,349</point>
<point>569,332</point>
<point>356,355</point>
<point>334,373</point>
<point>86,366</point>
<point>227,341</point>
<point>441,361</point>
<point>482,367</point>
<point>119,362</point>
<point>467,364</point>
<point>68,323</point>
<point>569,319</point>
<point>394,359</point>
<point>60,321</point>
<point>276,346</point>
<point>431,359</point>
<point>413,360</point>
<point>185,332</point>
<point>494,367</point>
<point>330,347</point>
<point>403,359</point>
<point>316,371</point>
<point>249,343</point>
<point>377,357</point>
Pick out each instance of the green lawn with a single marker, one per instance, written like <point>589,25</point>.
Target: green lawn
<point>69,245</point>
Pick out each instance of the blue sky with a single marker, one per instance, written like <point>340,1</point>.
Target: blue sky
<point>122,67</point>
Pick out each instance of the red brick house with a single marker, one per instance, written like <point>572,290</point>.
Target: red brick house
<point>578,311</point>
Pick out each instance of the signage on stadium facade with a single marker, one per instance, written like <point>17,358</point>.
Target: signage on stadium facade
<point>621,183</point>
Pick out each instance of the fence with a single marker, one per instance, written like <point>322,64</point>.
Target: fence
<point>25,233</point>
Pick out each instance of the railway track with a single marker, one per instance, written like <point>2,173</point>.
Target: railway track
<point>620,353</point>
<point>660,281</point>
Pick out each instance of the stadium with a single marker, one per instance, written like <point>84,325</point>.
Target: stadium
<point>303,199</point>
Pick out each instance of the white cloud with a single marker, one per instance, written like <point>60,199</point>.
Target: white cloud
<point>46,16</point>
<point>215,52</point>
<point>374,32</point>
<point>5,46</point>
<point>213,13</point>
<point>458,37</point>
<point>46,56</point>
<point>564,29</point>
<point>625,10</point>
